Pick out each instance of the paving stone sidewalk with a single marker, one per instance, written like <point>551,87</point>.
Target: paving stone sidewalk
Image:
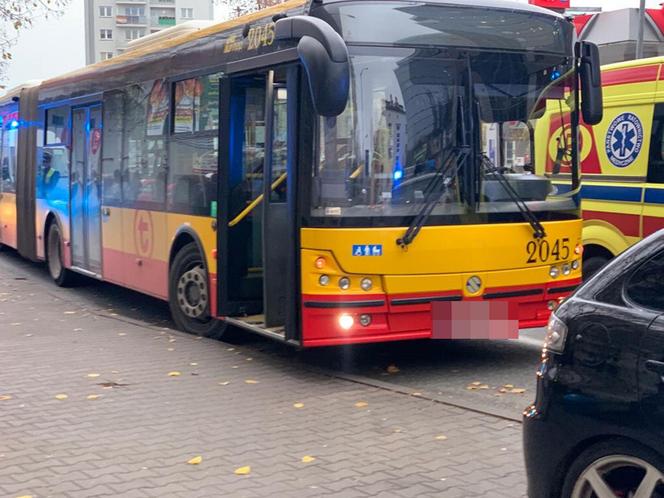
<point>125,427</point>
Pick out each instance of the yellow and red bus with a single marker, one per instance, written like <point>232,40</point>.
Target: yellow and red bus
<point>310,174</point>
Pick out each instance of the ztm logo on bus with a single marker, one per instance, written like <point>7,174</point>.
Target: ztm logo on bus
<point>143,233</point>
<point>624,139</point>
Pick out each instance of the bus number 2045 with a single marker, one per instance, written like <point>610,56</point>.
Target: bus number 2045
<point>541,251</point>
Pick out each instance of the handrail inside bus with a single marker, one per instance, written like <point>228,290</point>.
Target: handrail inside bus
<point>243,214</point>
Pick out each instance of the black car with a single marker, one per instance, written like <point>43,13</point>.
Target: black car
<point>596,428</point>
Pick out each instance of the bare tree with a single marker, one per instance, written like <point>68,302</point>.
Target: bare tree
<point>17,15</point>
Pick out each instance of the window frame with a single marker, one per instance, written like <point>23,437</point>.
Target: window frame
<point>628,300</point>
<point>105,11</point>
<point>105,34</point>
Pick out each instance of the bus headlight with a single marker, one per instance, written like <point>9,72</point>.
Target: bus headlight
<point>566,269</point>
<point>575,264</point>
<point>366,284</point>
<point>346,322</point>
<point>365,320</point>
<point>554,272</point>
<point>344,283</point>
<point>324,280</point>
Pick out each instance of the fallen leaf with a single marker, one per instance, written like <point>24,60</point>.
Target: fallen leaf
<point>243,471</point>
<point>24,496</point>
<point>361,404</point>
<point>441,437</point>
<point>171,340</point>
<point>93,375</point>
<point>483,386</point>
<point>61,396</point>
<point>416,394</point>
<point>248,359</point>
<point>251,381</point>
<point>224,383</point>
<point>92,397</point>
<point>508,386</point>
<point>174,374</point>
<point>193,364</point>
<point>70,312</point>
<point>171,349</point>
<point>230,349</point>
<point>298,405</point>
<point>5,397</point>
<point>476,383</point>
<point>308,459</point>
<point>392,369</point>
<point>517,390</point>
<point>122,333</point>
<point>196,460</point>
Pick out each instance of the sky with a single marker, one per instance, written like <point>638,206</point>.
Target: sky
<point>56,45</point>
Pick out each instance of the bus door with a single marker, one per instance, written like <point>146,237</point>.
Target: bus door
<point>254,236</point>
<point>85,188</point>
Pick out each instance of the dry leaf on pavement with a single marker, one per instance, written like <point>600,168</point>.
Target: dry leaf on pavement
<point>5,397</point>
<point>441,437</point>
<point>361,404</point>
<point>92,397</point>
<point>195,461</point>
<point>392,369</point>
<point>308,459</point>
<point>61,396</point>
<point>93,375</point>
<point>517,390</point>
<point>251,381</point>
<point>298,405</point>
<point>243,471</point>
<point>174,374</point>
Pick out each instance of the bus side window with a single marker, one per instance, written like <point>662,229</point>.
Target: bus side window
<point>192,175</point>
<point>656,157</point>
<point>112,158</point>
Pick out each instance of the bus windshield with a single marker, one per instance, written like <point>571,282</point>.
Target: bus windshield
<point>412,107</point>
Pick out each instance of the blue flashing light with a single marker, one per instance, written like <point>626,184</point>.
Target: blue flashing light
<point>13,124</point>
<point>555,75</point>
<point>397,174</point>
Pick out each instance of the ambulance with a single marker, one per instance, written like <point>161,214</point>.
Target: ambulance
<point>622,160</point>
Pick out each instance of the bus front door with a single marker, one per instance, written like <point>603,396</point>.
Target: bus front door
<point>85,189</point>
<point>256,251</point>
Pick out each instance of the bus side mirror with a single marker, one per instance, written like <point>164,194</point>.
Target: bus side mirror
<point>324,56</point>
<point>592,107</point>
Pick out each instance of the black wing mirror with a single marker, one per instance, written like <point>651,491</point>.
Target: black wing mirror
<point>324,56</point>
<point>590,75</point>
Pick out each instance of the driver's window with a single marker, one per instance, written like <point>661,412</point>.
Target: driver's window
<point>508,145</point>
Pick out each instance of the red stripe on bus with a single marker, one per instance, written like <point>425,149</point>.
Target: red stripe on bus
<point>142,274</point>
<point>628,224</point>
<point>630,75</point>
<point>651,224</point>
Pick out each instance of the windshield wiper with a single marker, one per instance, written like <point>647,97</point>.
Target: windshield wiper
<point>433,192</point>
<point>529,216</point>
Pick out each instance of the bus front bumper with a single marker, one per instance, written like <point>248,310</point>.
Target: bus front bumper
<point>330,320</point>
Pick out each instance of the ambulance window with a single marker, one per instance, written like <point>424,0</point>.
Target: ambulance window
<point>656,158</point>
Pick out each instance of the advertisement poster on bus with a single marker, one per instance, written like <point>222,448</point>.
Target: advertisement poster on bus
<point>185,96</point>
<point>157,109</point>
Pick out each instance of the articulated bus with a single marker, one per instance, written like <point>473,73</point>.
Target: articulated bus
<point>321,172</point>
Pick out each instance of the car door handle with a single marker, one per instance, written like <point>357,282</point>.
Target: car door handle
<point>655,366</point>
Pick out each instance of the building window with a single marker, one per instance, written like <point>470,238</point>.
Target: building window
<point>187,13</point>
<point>133,34</point>
<point>105,55</point>
<point>105,11</point>
<point>106,34</point>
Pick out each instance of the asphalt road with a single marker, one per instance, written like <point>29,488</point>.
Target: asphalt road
<point>495,377</point>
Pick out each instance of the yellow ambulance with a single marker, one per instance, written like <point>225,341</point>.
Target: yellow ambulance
<point>622,161</point>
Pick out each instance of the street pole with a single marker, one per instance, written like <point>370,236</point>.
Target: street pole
<point>639,36</point>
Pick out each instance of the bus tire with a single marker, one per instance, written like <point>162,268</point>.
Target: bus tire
<point>56,268</point>
<point>592,265</point>
<point>189,296</point>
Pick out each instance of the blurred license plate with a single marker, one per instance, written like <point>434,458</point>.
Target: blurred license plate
<point>475,320</point>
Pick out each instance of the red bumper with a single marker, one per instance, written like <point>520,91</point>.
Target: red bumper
<point>408,316</point>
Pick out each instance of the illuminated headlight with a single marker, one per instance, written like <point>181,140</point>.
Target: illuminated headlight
<point>324,280</point>
<point>344,283</point>
<point>346,322</point>
<point>556,333</point>
<point>366,284</point>
<point>575,264</point>
<point>554,272</point>
<point>365,320</point>
<point>566,269</point>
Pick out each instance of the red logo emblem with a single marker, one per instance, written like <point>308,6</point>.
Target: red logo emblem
<point>143,239</point>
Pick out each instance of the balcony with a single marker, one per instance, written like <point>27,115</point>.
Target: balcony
<point>162,21</point>
<point>123,20</point>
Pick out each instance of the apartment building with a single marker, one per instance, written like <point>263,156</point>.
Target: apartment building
<point>111,24</point>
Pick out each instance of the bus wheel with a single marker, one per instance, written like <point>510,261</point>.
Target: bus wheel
<point>592,265</point>
<point>189,296</point>
<point>61,275</point>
